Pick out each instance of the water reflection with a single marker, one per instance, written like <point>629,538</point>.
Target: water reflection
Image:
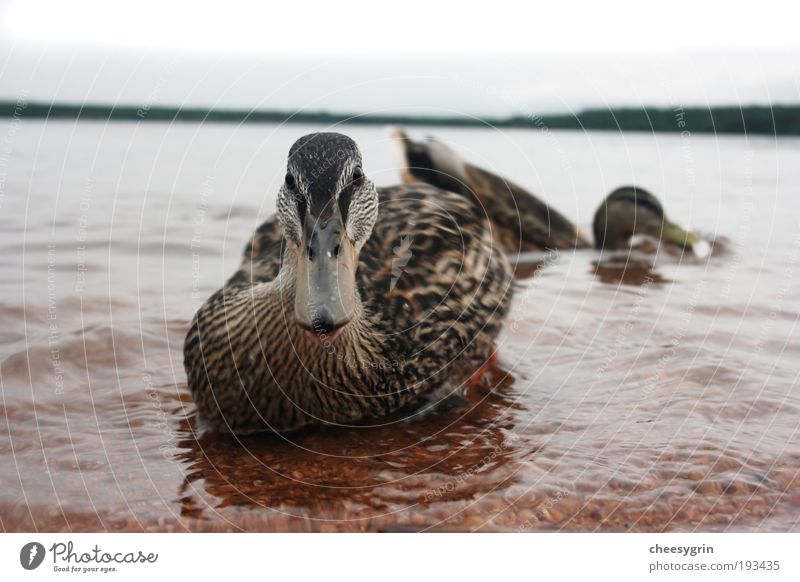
<point>638,264</point>
<point>634,269</point>
<point>457,449</point>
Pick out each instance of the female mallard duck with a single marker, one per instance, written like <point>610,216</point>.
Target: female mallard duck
<point>349,303</point>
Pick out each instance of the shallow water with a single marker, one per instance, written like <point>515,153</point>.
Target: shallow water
<point>644,394</point>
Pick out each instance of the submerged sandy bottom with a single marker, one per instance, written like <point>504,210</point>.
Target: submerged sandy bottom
<point>626,397</point>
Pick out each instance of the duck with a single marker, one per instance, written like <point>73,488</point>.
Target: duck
<point>350,302</point>
<point>525,223</point>
<point>629,211</point>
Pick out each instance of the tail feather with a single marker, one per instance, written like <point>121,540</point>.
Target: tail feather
<point>521,222</point>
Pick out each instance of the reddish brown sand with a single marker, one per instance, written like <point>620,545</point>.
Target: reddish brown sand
<point>626,397</point>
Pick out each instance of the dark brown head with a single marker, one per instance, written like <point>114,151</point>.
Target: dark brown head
<point>630,211</point>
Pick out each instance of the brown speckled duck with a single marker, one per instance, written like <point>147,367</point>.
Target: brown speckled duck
<point>353,301</point>
<point>349,303</point>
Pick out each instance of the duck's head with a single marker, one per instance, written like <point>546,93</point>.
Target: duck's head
<point>326,208</point>
<point>630,211</point>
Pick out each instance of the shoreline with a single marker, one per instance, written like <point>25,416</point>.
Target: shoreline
<point>777,120</point>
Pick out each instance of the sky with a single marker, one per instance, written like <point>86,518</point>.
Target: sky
<point>482,59</point>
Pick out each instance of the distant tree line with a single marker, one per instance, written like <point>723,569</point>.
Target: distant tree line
<point>750,119</point>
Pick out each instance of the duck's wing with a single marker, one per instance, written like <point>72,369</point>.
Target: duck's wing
<point>430,269</point>
<point>521,222</point>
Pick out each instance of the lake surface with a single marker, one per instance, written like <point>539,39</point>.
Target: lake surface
<point>661,396</point>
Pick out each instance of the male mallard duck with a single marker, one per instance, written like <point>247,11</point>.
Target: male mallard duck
<point>630,211</point>
<point>349,303</point>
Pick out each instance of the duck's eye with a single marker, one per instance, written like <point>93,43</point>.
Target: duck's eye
<point>358,175</point>
<point>290,183</point>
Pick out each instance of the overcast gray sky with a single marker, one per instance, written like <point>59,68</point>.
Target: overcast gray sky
<point>219,55</point>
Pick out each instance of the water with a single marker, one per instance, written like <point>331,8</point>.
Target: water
<point>652,397</point>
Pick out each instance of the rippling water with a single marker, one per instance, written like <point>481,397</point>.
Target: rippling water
<point>652,394</point>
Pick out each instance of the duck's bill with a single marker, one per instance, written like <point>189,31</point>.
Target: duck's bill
<point>325,289</point>
<point>676,235</point>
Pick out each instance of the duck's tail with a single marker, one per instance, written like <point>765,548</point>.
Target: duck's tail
<point>521,222</point>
